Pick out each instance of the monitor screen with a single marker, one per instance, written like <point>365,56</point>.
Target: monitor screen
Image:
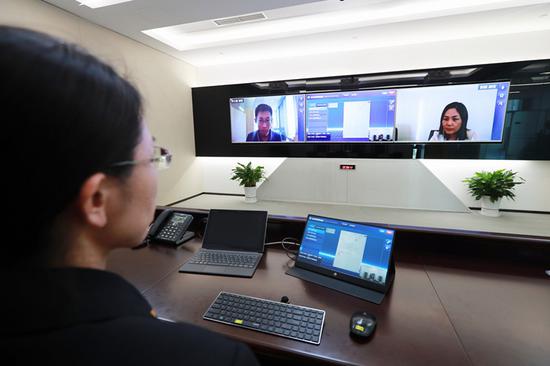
<point>267,119</point>
<point>427,114</point>
<point>346,249</point>
<point>355,116</point>
<point>452,113</point>
<point>241,230</point>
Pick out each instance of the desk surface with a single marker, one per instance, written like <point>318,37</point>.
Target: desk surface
<point>523,224</point>
<point>435,313</point>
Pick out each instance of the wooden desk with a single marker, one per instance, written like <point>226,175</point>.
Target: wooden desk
<point>442,309</point>
<point>499,309</point>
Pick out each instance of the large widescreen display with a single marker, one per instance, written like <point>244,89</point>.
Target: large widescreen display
<point>431,114</point>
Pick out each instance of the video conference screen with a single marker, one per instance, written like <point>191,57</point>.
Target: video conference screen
<point>350,116</point>
<point>431,114</point>
<point>268,119</point>
<point>349,248</point>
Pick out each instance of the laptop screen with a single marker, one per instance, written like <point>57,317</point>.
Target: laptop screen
<point>235,230</point>
<point>346,250</point>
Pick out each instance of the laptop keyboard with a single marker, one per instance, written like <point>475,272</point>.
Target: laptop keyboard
<point>285,320</point>
<point>224,259</point>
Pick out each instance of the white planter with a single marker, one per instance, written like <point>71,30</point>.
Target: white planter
<point>250,195</point>
<point>489,208</point>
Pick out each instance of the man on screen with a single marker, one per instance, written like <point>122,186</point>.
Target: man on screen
<point>263,114</point>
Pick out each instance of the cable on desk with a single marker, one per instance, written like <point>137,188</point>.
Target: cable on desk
<point>145,241</point>
<point>284,243</point>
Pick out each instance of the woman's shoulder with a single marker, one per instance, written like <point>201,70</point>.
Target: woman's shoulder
<point>437,136</point>
<point>471,135</point>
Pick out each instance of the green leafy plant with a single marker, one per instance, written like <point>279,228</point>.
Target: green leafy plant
<point>247,175</point>
<point>495,184</point>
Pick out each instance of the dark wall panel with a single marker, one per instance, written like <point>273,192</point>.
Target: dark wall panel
<point>526,133</point>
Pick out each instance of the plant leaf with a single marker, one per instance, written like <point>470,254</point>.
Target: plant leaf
<point>496,184</point>
<point>247,175</point>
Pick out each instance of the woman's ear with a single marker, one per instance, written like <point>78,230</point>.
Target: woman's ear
<point>92,200</point>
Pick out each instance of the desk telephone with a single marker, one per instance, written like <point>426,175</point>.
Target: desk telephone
<point>170,227</point>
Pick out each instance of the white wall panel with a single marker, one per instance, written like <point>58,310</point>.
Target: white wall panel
<point>306,180</point>
<point>374,182</point>
<point>162,80</point>
<point>534,195</point>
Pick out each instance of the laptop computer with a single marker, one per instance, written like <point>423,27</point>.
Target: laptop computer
<point>346,256</point>
<point>233,244</point>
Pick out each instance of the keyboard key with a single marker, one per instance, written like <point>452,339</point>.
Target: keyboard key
<point>285,320</point>
<point>242,260</point>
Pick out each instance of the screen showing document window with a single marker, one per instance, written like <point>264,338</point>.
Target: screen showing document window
<point>353,249</point>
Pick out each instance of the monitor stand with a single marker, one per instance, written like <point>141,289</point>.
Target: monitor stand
<point>338,285</point>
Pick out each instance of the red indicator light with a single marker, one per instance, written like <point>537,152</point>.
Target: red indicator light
<point>347,167</point>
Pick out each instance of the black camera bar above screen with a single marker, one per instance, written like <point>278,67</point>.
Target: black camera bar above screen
<point>495,111</point>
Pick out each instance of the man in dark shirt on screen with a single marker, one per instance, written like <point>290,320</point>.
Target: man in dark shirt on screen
<point>263,115</point>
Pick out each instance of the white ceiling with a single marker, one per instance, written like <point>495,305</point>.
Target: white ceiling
<point>335,25</point>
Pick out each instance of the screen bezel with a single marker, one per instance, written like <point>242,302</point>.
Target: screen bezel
<point>342,276</point>
<point>215,246</point>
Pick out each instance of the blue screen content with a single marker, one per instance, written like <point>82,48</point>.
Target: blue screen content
<point>351,116</point>
<point>356,250</point>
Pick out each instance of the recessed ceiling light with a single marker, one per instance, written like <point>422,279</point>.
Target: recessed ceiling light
<point>463,72</point>
<point>414,75</point>
<point>262,85</point>
<point>324,82</point>
<point>295,83</point>
<point>184,37</point>
<point>100,3</point>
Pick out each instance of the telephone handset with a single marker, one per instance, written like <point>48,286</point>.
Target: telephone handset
<point>170,227</point>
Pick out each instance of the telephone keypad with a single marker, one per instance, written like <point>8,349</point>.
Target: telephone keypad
<point>174,229</point>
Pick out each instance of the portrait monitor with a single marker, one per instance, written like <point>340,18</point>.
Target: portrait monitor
<point>351,116</point>
<point>349,251</point>
<point>419,111</point>
<point>280,119</point>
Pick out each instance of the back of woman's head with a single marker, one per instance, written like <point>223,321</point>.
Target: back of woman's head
<point>463,112</point>
<point>66,115</point>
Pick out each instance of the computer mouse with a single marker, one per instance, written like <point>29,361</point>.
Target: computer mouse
<point>362,324</point>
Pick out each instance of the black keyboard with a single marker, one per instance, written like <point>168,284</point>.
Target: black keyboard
<point>224,259</point>
<point>285,320</point>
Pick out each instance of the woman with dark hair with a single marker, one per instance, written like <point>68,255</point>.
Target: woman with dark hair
<point>452,125</point>
<point>79,181</point>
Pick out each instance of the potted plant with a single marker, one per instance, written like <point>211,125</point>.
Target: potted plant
<point>248,176</point>
<point>490,187</point>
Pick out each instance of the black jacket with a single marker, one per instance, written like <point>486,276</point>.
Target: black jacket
<point>91,317</point>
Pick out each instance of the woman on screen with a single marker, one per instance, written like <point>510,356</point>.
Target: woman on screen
<point>452,125</point>
<point>81,182</point>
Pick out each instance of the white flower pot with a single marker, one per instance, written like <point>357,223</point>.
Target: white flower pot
<point>489,208</point>
<point>250,195</point>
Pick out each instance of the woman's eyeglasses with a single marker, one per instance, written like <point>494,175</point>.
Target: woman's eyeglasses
<point>161,159</point>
